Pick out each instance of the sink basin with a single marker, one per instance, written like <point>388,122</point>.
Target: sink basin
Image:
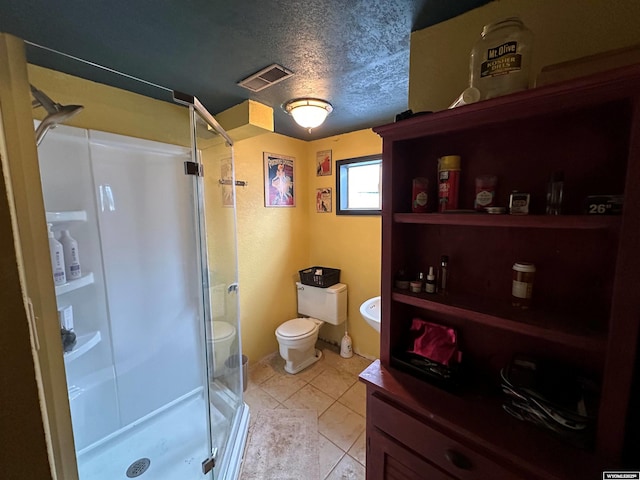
<point>370,311</point>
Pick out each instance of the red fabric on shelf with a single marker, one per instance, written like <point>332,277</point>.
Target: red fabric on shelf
<point>433,341</point>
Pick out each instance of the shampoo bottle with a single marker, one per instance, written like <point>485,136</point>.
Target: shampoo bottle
<point>71,256</point>
<point>57,258</point>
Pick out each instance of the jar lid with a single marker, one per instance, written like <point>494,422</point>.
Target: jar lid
<point>506,22</point>
<point>524,267</point>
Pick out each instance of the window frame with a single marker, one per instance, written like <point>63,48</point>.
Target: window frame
<point>341,183</point>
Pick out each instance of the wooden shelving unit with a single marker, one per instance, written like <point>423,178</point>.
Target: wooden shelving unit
<point>586,308</point>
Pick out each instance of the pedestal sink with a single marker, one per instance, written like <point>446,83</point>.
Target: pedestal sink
<point>370,311</point>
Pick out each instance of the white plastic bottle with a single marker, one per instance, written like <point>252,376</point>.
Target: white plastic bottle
<point>57,258</point>
<point>71,256</point>
<point>501,58</point>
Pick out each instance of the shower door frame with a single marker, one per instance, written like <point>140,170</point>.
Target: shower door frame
<point>239,424</point>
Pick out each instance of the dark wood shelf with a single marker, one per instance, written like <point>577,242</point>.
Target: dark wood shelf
<point>550,326</point>
<point>573,222</point>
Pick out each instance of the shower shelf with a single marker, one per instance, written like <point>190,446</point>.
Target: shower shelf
<point>75,284</point>
<point>83,345</point>
<point>68,216</point>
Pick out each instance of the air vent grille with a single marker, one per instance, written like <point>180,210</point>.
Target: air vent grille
<point>265,78</point>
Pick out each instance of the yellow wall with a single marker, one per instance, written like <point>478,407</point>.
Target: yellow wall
<point>273,243</point>
<point>563,30</point>
<point>348,242</point>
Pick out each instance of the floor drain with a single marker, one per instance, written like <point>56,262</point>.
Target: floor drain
<point>138,467</point>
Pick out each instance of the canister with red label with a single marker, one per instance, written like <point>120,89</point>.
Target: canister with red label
<point>448,182</point>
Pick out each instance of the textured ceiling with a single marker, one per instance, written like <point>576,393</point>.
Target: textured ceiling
<point>353,53</point>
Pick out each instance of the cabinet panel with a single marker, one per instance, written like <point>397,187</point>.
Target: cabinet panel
<point>441,450</point>
<point>393,461</point>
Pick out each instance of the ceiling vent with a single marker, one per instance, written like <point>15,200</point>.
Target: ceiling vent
<point>265,78</point>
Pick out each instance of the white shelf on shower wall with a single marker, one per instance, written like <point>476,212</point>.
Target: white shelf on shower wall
<point>69,216</point>
<point>75,284</point>
<point>84,343</point>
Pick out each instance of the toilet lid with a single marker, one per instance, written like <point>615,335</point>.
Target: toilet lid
<point>222,330</point>
<point>296,327</point>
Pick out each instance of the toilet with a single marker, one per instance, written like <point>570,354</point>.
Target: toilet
<point>223,336</point>
<point>297,337</point>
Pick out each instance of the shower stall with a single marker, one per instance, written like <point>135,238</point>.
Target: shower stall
<point>152,359</point>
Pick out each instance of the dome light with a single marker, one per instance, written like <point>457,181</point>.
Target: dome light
<point>308,112</point>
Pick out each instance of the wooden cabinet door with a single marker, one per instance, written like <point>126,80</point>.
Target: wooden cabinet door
<point>390,460</point>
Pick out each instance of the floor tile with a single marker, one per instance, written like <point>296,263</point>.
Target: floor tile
<point>329,455</point>
<point>259,400</point>
<point>282,387</point>
<point>341,425</point>
<point>309,397</point>
<point>356,398</point>
<point>334,382</point>
<point>354,365</point>
<point>259,372</point>
<point>347,469</point>
<point>359,449</point>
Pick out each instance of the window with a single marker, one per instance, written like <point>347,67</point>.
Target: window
<point>359,186</point>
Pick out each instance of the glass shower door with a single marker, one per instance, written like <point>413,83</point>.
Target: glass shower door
<point>228,415</point>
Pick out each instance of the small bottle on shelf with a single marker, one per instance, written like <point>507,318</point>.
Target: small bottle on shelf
<point>554,193</point>
<point>417,285</point>
<point>522,284</point>
<point>430,285</point>
<point>71,256</point>
<point>443,274</point>
<point>57,258</point>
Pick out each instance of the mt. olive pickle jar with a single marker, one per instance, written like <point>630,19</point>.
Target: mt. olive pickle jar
<point>501,58</point>
<point>522,284</point>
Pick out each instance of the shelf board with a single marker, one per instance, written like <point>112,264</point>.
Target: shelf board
<point>531,323</point>
<point>84,343</point>
<point>68,216</point>
<point>574,222</point>
<point>75,284</point>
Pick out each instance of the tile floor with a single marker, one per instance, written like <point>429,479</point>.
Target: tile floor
<point>331,387</point>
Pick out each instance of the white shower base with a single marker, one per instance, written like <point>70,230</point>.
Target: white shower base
<point>175,442</point>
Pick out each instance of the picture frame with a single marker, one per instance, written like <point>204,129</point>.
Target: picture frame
<point>323,200</point>
<point>279,180</point>
<point>323,163</point>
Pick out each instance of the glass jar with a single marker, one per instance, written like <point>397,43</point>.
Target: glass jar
<point>501,58</point>
<point>522,284</point>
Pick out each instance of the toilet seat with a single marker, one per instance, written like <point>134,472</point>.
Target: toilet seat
<point>297,328</point>
<point>222,331</point>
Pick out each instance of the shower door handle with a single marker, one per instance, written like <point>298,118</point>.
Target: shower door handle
<point>233,288</point>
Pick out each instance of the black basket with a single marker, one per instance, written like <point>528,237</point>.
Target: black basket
<point>312,276</point>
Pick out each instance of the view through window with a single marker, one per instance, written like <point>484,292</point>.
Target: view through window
<point>359,186</point>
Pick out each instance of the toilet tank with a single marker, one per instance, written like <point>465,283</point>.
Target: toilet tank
<point>326,304</point>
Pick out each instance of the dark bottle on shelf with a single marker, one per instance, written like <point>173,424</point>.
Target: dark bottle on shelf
<point>443,275</point>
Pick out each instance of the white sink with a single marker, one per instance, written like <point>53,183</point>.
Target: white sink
<point>370,311</point>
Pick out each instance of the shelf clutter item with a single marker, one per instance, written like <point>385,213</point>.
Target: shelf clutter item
<point>322,277</point>
<point>501,58</point>
<point>553,396</point>
<point>433,356</point>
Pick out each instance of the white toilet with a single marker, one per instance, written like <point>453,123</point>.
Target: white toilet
<point>223,336</point>
<point>297,337</point>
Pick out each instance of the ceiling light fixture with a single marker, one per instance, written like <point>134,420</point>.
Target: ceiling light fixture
<point>308,112</point>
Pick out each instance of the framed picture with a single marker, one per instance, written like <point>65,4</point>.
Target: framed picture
<point>279,179</point>
<point>323,200</point>
<point>323,163</point>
